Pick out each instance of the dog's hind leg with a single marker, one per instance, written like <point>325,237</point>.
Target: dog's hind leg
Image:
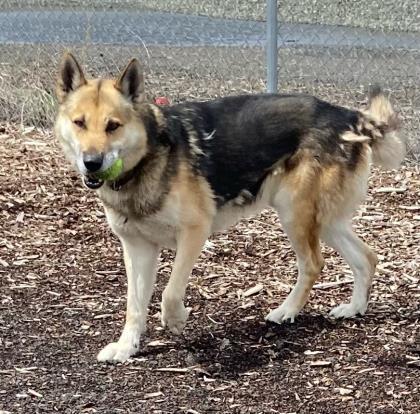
<point>140,258</point>
<point>305,241</point>
<point>362,262</point>
<point>296,206</point>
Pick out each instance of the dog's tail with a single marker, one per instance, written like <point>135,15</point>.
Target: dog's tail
<point>388,149</point>
<point>379,125</point>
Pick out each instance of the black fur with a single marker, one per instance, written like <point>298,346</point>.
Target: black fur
<point>251,133</point>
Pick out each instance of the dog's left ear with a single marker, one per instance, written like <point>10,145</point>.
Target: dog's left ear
<point>131,82</point>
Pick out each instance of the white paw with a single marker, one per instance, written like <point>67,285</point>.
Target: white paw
<point>348,310</point>
<point>282,314</point>
<point>174,317</point>
<point>116,352</point>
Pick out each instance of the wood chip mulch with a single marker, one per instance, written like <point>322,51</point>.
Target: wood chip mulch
<point>62,297</point>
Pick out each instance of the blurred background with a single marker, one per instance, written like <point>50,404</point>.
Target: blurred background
<point>193,50</point>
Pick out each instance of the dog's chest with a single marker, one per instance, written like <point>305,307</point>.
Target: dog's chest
<point>159,228</point>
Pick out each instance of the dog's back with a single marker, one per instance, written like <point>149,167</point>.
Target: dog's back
<point>235,142</point>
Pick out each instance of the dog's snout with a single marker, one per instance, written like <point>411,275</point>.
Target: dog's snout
<point>93,161</point>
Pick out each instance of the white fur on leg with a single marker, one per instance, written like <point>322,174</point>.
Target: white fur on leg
<point>348,310</point>
<point>297,298</point>
<point>362,262</point>
<point>174,315</point>
<point>357,305</point>
<point>127,345</point>
<point>140,258</point>
<point>116,352</point>
<point>283,313</point>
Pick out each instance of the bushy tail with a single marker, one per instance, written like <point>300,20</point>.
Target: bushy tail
<point>388,149</point>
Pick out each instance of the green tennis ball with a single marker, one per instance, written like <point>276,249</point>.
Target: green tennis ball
<point>113,172</point>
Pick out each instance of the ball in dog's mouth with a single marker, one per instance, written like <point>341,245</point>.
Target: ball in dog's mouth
<point>92,183</point>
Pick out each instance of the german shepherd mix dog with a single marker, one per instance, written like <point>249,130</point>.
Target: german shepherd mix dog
<point>193,169</point>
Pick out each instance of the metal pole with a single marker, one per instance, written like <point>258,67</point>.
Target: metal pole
<point>271,46</point>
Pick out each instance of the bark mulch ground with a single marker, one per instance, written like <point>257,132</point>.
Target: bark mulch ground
<point>62,297</point>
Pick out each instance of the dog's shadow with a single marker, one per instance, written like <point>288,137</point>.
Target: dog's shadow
<point>243,346</point>
<point>246,345</point>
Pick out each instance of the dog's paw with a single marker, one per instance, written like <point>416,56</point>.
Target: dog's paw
<point>281,314</point>
<point>116,352</point>
<point>348,310</point>
<point>174,317</point>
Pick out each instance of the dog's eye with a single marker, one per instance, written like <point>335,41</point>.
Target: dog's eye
<point>79,122</point>
<point>111,126</point>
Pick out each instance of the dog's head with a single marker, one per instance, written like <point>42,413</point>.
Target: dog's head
<point>98,120</point>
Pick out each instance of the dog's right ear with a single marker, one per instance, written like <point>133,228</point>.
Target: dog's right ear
<point>70,77</point>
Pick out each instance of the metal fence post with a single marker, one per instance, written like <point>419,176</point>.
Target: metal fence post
<point>271,46</point>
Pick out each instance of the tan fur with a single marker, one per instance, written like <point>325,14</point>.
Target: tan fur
<point>382,124</point>
<point>192,194</point>
<point>97,106</point>
<point>311,200</point>
<point>189,203</point>
<point>302,224</point>
<point>158,116</point>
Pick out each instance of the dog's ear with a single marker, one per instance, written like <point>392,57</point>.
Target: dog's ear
<point>70,77</point>
<point>131,82</point>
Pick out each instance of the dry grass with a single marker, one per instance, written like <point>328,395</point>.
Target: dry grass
<point>62,289</point>
<point>28,74</point>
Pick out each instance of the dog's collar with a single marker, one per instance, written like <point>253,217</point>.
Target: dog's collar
<point>126,177</point>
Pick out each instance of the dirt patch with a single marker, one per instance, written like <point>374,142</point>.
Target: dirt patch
<point>62,297</point>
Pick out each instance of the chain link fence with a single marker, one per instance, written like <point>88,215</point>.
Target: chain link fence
<point>333,49</point>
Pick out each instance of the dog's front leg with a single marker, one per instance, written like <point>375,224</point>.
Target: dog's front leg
<point>190,242</point>
<point>140,258</point>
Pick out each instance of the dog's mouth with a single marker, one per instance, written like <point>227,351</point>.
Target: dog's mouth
<point>92,182</point>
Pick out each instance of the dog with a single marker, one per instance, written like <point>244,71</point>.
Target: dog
<point>195,168</point>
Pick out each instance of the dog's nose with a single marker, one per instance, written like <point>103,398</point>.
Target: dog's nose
<point>93,161</point>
